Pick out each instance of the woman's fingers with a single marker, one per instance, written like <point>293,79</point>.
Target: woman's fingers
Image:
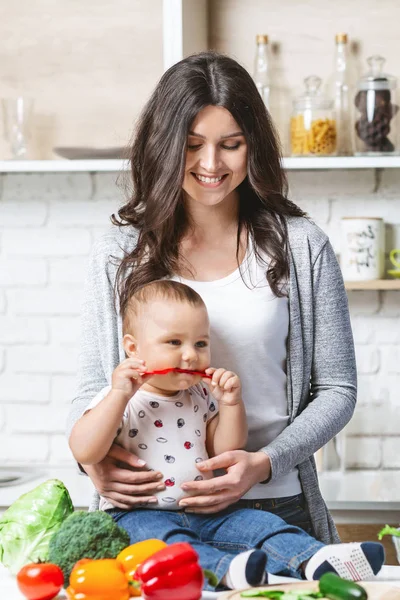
<point>128,483</point>
<point>118,475</point>
<point>222,461</point>
<point>132,478</point>
<point>127,502</point>
<point>142,489</point>
<point>118,453</point>
<point>208,486</point>
<point>201,501</point>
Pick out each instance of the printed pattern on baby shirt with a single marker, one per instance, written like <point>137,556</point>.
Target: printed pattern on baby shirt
<point>169,434</point>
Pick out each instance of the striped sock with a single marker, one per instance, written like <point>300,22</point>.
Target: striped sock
<point>246,569</point>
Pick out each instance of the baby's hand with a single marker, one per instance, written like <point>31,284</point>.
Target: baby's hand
<point>225,386</point>
<point>129,376</point>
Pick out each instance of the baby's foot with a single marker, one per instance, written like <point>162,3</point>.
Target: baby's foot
<point>355,562</point>
<point>246,569</point>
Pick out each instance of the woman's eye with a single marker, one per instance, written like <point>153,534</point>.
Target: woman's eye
<point>223,146</point>
<point>201,344</point>
<point>174,342</point>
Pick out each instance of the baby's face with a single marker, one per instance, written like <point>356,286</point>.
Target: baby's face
<point>171,334</point>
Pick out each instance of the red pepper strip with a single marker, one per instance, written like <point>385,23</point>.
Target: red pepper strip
<point>172,573</point>
<point>177,370</point>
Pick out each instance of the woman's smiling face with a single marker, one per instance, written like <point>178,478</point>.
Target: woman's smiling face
<point>216,158</point>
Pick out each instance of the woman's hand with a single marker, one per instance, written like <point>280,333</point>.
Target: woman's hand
<point>122,487</point>
<point>244,469</point>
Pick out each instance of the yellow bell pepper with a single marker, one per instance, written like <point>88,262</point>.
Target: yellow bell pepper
<point>133,556</point>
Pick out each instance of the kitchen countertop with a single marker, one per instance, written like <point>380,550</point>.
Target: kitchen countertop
<point>350,491</point>
<point>355,493</point>
<point>10,591</point>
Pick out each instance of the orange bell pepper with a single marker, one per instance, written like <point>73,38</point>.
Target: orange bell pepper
<point>102,579</point>
<point>133,556</point>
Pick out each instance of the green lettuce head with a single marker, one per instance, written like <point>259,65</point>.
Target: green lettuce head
<point>27,526</point>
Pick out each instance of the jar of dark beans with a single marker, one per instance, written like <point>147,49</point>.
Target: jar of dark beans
<point>376,111</point>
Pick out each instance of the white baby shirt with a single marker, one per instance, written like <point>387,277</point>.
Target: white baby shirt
<point>169,433</point>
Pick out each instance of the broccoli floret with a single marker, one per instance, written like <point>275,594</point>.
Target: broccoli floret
<point>86,535</point>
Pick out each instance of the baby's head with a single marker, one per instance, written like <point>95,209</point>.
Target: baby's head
<point>165,323</point>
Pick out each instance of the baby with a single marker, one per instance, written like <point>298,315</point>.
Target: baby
<point>172,422</point>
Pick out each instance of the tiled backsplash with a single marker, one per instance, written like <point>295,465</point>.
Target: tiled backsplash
<point>48,223</point>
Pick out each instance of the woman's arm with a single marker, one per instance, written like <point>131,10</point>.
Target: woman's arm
<point>333,385</point>
<point>99,351</point>
<point>99,355</point>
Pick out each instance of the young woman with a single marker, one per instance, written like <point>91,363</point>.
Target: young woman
<point>209,208</point>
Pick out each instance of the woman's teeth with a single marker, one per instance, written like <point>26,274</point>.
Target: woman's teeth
<point>208,179</point>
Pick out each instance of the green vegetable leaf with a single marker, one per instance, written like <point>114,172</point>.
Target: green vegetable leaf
<point>388,531</point>
<point>29,523</point>
<point>281,595</point>
<point>274,594</point>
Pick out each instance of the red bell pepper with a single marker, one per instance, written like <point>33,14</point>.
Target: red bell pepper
<point>172,573</point>
<point>177,370</point>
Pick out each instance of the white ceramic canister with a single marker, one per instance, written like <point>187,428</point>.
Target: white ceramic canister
<point>362,248</point>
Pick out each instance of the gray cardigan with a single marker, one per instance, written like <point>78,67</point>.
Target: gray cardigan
<point>322,381</point>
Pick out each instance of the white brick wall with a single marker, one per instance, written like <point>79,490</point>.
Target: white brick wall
<point>48,223</point>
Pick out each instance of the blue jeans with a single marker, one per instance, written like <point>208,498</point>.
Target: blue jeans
<point>292,509</point>
<point>218,537</point>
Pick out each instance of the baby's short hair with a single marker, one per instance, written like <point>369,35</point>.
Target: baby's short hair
<point>163,289</point>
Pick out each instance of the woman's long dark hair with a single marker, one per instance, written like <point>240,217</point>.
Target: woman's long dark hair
<point>158,157</point>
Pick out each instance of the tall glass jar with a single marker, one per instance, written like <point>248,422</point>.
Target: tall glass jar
<point>341,95</point>
<point>313,125</point>
<point>261,68</point>
<point>376,111</point>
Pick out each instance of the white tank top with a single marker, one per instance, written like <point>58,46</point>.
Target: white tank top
<point>249,331</point>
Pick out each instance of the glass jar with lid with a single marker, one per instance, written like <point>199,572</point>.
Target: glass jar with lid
<point>376,111</point>
<point>313,125</point>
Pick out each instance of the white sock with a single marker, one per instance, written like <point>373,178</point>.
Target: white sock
<point>356,561</point>
<point>246,569</point>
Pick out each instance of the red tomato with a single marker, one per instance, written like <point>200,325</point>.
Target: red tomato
<point>40,581</point>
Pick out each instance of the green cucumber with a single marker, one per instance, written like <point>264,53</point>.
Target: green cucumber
<point>335,588</point>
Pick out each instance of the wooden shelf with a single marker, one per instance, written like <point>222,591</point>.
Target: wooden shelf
<point>376,284</point>
<point>60,166</point>
<point>290,164</point>
<point>341,162</point>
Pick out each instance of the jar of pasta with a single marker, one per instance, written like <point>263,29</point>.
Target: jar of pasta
<point>313,125</point>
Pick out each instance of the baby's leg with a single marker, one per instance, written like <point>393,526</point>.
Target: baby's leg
<point>174,526</point>
<point>287,547</point>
